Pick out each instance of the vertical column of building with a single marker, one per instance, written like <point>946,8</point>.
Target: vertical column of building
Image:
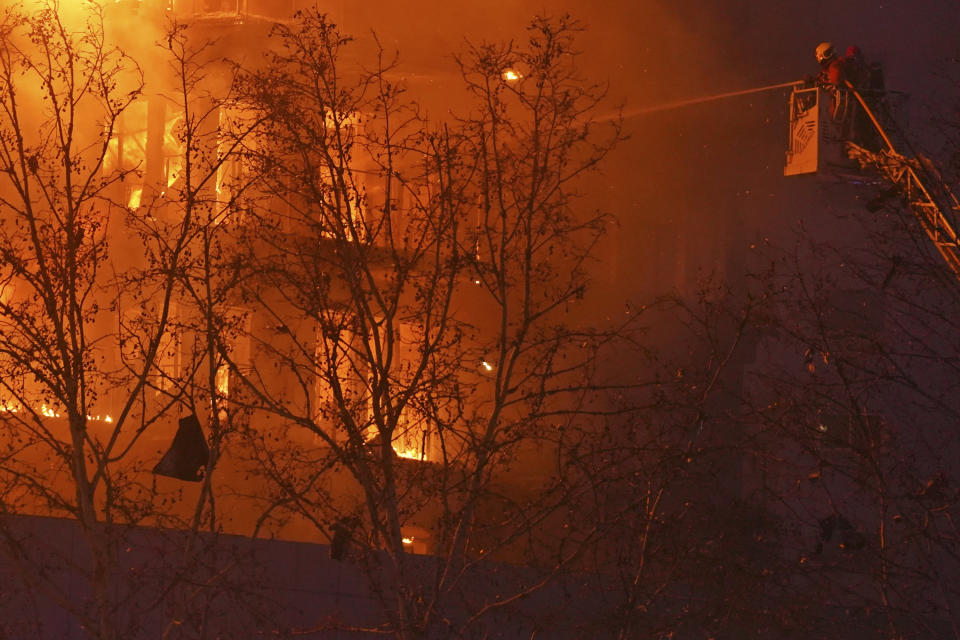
<point>154,173</point>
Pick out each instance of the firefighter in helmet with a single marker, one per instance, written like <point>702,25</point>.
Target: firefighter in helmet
<point>832,67</point>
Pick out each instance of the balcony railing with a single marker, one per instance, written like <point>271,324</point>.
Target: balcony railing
<point>213,9</point>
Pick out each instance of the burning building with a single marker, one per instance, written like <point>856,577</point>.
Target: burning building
<point>277,325</point>
<point>358,318</point>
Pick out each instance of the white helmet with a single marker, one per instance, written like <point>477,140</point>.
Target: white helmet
<point>824,52</point>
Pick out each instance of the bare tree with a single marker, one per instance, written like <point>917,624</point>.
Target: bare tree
<point>90,273</point>
<point>853,398</point>
<point>411,289</point>
<point>58,217</point>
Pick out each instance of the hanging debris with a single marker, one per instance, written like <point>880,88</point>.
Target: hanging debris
<point>188,455</point>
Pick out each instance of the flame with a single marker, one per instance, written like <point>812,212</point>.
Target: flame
<point>136,195</point>
<point>408,452</point>
<point>9,407</point>
<point>223,380</point>
<point>405,445</point>
<point>48,412</point>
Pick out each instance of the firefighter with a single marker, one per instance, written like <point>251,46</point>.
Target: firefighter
<point>833,78</point>
<point>855,68</point>
<point>832,67</point>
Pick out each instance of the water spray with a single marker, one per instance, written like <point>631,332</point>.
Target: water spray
<point>630,113</point>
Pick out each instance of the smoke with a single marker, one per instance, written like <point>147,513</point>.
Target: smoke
<point>134,27</point>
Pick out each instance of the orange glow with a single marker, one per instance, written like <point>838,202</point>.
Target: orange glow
<point>351,119</point>
<point>511,75</point>
<point>172,150</point>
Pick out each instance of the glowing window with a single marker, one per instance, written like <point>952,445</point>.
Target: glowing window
<point>127,151</point>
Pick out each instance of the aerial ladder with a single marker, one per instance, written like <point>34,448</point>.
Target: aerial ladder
<point>832,127</point>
